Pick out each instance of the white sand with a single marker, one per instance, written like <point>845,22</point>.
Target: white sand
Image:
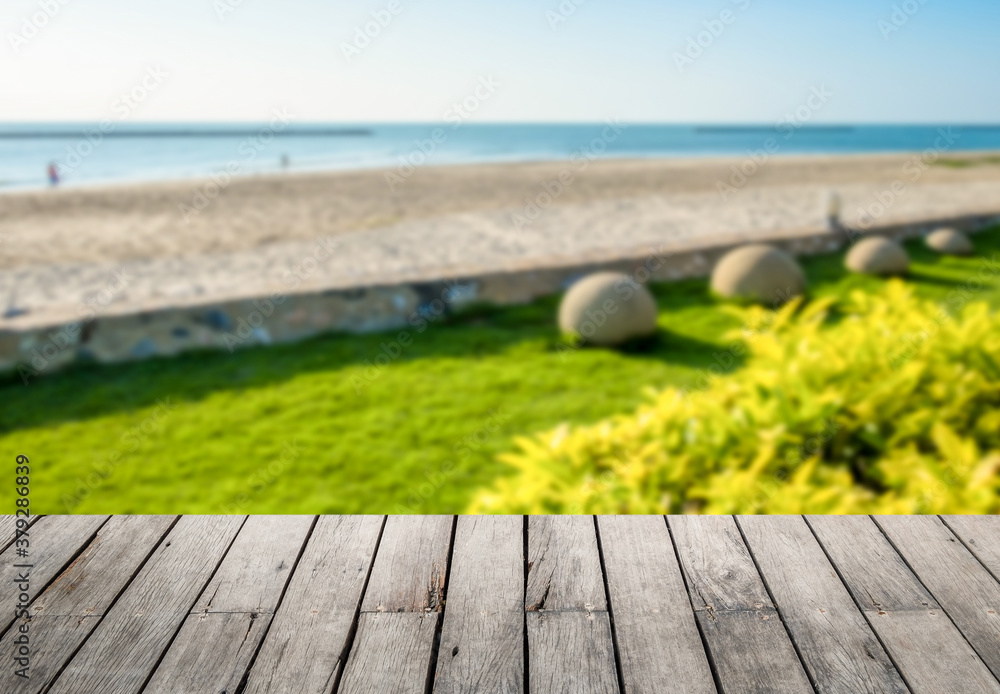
<point>127,247</point>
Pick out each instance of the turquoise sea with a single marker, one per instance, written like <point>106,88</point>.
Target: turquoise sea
<point>112,152</point>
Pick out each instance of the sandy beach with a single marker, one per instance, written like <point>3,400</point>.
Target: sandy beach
<point>193,240</point>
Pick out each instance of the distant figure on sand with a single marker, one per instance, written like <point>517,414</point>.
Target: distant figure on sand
<point>285,161</point>
<point>53,174</point>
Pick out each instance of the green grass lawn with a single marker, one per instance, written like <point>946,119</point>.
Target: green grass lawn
<point>286,429</point>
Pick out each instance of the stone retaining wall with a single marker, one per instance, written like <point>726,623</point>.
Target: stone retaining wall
<point>230,325</point>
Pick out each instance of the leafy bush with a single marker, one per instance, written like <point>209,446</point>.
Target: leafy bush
<point>882,403</point>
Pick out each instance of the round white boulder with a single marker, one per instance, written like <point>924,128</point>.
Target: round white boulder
<point>877,255</point>
<point>949,242</point>
<point>760,273</point>
<point>607,309</point>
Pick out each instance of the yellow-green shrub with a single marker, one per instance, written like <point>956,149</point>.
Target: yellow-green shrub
<point>876,404</point>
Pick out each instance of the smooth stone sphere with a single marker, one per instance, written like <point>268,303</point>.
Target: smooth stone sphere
<point>949,242</point>
<point>607,309</point>
<point>758,272</point>
<point>878,255</point>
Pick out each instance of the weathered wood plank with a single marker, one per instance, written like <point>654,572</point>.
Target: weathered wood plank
<point>122,651</point>
<point>257,566</point>
<point>64,615</point>
<point>570,652</point>
<point>8,529</point>
<point>981,534</point>
<point>658,642</point>
<point>746,640</point>
<point>399,615</point>
<point>305,646</point>
<point>833,638</point>
<point>956,579</point>
<point>213,650</point>
<point>570,648</point>
<point>391,653</point>
<point>931,654</point>
<point>55,540</point>
<point>412,562</point>
<point>482,641</point>
<point>564,565</point>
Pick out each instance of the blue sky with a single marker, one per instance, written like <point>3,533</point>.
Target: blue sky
<point>241,59</point>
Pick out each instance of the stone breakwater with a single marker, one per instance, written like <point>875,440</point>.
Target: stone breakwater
<point>33,347</point>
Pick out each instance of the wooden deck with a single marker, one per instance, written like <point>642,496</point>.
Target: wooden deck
<point>564,604</point>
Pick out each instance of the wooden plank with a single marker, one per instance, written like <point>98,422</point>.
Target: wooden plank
<point>570,648</point>
<point>482,639</point>
<point>121,653</point>
<point>834,640</point>
<point>956,579</point>
<point>570,652</point>
<point>400,612</point>
<point>64,615</point>
<point>412,561</point>
<point>391,653</point>
<point>219,638</point>
<point>930,653</point>
<point>981,534</point>
<point>55,540</point>
<point>746,640</point>
<point>8,529</point>
<point>564,565</point>
<point>304,649</point>
<point>658,642</point>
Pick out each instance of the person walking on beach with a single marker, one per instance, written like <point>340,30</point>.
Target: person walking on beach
<point>53,174</point>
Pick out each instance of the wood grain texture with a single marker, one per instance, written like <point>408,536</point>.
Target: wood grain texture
<point>956,579</point>
<point>305,646</point>
<point>8,529</point>
<point>564,565</point>
<point>931,654</point>
<point>214,648</point>
<point>658,642</point>
<point>407,581</point>
<point>54,541</point>
<point>747,642</point>
<point>981,534</point>
<point>571,652</point>
<point>391,653</point>
<point>122,651</point>
<point>64,615</point>
<point>570,648</point>
<point>482,640</point>
<point>834,640</point>
<point>411,565</point>
<point>257,566</point>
